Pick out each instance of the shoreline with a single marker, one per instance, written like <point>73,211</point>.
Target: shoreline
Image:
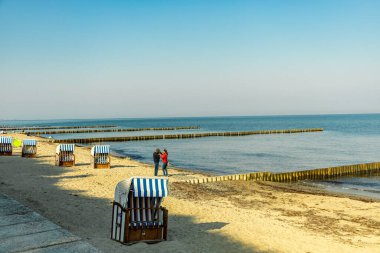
<point>348,193</point>
<point>310,188</point>
<point>307,183</point>
<point>233,216</point>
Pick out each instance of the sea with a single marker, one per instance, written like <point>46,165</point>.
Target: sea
<point>346,139</point>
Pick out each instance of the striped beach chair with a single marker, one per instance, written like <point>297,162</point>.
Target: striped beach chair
<point>137,214</point>
<point>5,145</point>
<point>100,157</point>
<point>29,148</point>
<point>64,155</point>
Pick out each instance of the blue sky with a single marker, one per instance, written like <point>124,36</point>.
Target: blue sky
<point>102,59</point>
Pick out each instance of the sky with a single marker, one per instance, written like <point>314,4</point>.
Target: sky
<point>67,59</point>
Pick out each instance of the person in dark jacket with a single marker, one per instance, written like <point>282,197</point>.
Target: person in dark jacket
<point>156,160</point>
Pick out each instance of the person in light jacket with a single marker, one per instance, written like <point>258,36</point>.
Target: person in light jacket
<point>164,159</point>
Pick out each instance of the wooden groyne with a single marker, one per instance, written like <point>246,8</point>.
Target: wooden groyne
<point>51,127</point>
<point>315,174</point>
<point>185,136</point>
<point>37,133</point>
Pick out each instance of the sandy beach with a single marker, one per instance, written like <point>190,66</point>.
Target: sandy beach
<point>236,216</point>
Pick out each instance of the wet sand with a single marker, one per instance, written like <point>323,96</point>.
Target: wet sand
<point>235,216</point>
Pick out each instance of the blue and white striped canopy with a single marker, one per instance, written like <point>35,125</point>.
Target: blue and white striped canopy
<point>100,149</point>
<point>6,139</point>
<point>65,147</point>
<point>150,187</point>
<point>29,142</point>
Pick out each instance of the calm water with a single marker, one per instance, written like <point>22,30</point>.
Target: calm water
<point>347,139</point>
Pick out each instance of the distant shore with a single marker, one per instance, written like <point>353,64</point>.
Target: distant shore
<point>234,216</point>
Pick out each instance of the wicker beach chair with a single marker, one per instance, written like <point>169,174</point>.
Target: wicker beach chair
<point>5,145</point>
<point>137,214</point>
<point>100,157</point>
<point>29,148</point>
<point>64,155</point>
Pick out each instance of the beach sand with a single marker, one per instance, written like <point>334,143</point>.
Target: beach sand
<point>235,216</point>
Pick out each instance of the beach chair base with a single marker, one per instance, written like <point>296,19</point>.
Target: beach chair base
<point>26,155</point>
<point>148,235</point>
<point>5,153</point>
<point>65,164</point>
<point>102,166</point>
<point>60,163</point>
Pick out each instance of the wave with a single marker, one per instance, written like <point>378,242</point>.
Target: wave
<point>267,155</point>
<point>353,183</point>
<point>122,153</point>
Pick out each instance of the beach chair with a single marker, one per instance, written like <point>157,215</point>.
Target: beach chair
<point>64,155</point>
<point>5,145</point>
<point>100,157</point>
<point>137,214</point>
<point>29,148</point>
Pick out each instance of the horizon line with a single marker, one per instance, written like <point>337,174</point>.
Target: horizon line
<point>182,117</point>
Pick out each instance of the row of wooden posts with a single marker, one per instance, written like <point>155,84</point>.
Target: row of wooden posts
<point>37,133</point>
<point>4,128</point>
<point>315,174</point>
<point>185,136</point>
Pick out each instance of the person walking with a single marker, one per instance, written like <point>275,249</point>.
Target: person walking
<point>156,160</point>
<point>164,158</point>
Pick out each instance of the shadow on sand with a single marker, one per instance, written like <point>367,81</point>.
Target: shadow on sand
<point>35,184</point>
